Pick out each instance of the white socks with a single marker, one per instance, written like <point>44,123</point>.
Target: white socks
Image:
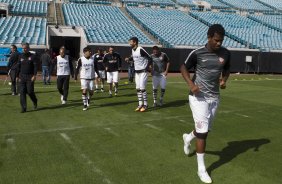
<point>201,162</point>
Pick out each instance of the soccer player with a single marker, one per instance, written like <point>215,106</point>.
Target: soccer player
<point>159,73</point>
<point>98,59</point>
<point>64,70</point>
<point>27,71</point>
<point>86,69</point>
<point>12,68</point>
<point>142,62</point>
<point>112,61</point>
<point>211,63</point>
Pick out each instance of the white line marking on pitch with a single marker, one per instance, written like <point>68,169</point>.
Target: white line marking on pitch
<point>181,120</point>
<point>85,158</point>
<point>45,131</point>
<point>109,130</point>
<point>243,115</point>
<point>11,143</point>
<point>153,126</point>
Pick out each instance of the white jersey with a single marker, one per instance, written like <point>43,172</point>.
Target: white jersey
<point>140,62</point>
<point>63,65</point>
<point>87,70</point>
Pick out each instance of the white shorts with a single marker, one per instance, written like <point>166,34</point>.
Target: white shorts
<point>159,80</point>
<point>203,111</point>
<point>112,77</point>
<point>102,74</point>
<point>141,80</point>
<point>87,84</point>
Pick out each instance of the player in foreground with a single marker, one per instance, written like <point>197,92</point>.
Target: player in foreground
<point>142,62</point>
<point>159,73</point>
<point>211,64</point>
<point>86,69</point>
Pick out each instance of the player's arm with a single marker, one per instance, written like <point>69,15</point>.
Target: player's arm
<point>148,57</point>
<point>71,67</point>
<point>77,69</point>
<point>189,63</point>
<point>119,62</point>
<point>34,69</point>
<point>128,59</point>
<point>225,73</point>
<point>167,64</point>
<point>105,61</point>
<point>96,69</point>
<point>18,67</point>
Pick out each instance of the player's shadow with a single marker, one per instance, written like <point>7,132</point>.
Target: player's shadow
<point>176,103</point>
<point>233,149</point>
<point>59,106</point>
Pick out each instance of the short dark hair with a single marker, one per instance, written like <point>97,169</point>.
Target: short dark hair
<point>14,46</point>
<point>156,48</point>
<point>135,39</point>
<point>25,44</point>
<point>86,49</point>
<point>216,28</point>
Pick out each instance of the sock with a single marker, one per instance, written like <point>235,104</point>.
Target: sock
<point>84,99</point>
<point>162,93</point>
<point>116,87</point>
<point>201,162</point>
<point>96,86</point>
<point>140,98</point>
<point>155,94</point>
<point>144,94</point>
<point>102,86</point>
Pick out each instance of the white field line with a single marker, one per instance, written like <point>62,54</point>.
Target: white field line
<point>181,120</point>
<point>110,131</point>
<point>44,131</point>
<point>242,115</point>
<point>85,158</point>
<point>40,131</point>
<point>153,126</point>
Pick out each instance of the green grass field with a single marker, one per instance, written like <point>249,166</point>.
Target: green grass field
<point>112,144</point>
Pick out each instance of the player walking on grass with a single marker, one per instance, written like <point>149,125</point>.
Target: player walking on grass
<point>159,73</point>
<point>112,61</point>
<point>211,63</point>
<point>64,70</point>
<point>86,69</point>
<point>142,62</point>
<point>27,71</point>
<point>98,59</point>
<point>12,69</point>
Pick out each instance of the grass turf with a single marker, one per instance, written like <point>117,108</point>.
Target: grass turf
<point>110,143</point>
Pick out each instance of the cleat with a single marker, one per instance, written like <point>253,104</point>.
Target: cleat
<point>161,102</point>
<point>23,110</point>
<point>85,108</point>
<point>102,90</point>
<point>138,108</point>
<point>88,102</point>
<point>155,105</point>
<point>186,145</point>
<point>14,94</point>
<point>64,102</point>
<point>110,94</point>
<point>144,108</point>
<point>35,106</point>
<point>62,98</point>
<point>204,177</point>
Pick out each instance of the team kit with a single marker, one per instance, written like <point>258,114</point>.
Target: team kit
<point>210,63</point>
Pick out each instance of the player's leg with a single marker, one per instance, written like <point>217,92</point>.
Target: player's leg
<point>155,89</point>
<point>90,91</point>
<point>201,114</point>
<point>60,83</point>
<point>143,83</point>
<point>115,80</point>
<point>23,94</point>
<point>163,86</point>
<point>14,83</point>
<point>44,75</point>
<point>110,82</point>
<point>139,93</point>
<point>66,83</point>
<point>31,93</point>
<point>96,83</point>
<point>102,78</point>
<point>84,84</point>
